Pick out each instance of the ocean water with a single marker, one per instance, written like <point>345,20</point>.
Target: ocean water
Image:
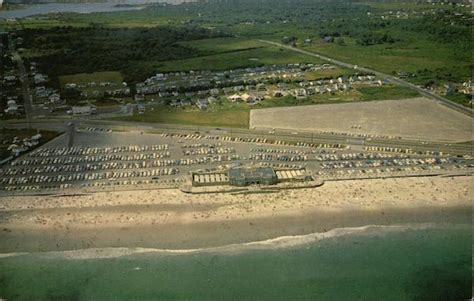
<point>415,262</point>
<point>83,8</point>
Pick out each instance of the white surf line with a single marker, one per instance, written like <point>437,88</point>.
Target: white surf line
<point>275,243</point>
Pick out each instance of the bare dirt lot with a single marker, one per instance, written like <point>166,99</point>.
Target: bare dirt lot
<point>418,118</point>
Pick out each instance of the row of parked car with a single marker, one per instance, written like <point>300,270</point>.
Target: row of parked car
<point>80,151</point>
<point>173,181</point>
<point>90,159</point>
<point>73,177</point>
<point>271,157</point>
<point>278,151</point>
<point>402,150</point>
<point>360,135</point>
<point>105,184</point>
<point>357,156</point>
<point>80,168</point>
<point>281,165</point>
<point>27,174</point>
<point>26,188</point>
<point>389,162</point>
<point>208,151</point>
<point>200,145</point>
<point>256,140</point>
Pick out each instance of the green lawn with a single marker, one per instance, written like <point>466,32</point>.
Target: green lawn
<point>84,78</point>
<point>237,54</point>
<point>328,73</point>
<point>224,44</point>
<point>413,54</point>
<point>224,116</point>
<point>386,92</point>
<point>460,98</point>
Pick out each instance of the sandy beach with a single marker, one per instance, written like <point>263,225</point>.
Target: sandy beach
<point>171,219</point>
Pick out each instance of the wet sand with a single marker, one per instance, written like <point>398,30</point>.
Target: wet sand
<point>170,219</point>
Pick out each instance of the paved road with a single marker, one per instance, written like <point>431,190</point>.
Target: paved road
<point>2,65</point>
<point>394,79</point>
<point>25,85</point>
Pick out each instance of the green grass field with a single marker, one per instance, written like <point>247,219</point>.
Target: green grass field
<point>234,53</point>
<point>84,78</point>
<point>224,116</point>
<point>386,92</point>
<point>412,55</point>
<point>224,44</point>
<point>328,73</point>
<point>460,99</point>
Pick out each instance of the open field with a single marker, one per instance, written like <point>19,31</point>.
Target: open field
<point>225,44</point>
<point>328,73</point>
<point>411,118</point>
<point>386,92</point>
<point>228,116</point>
<point>415,54</point>
<point>237,58</point>
<point>85,78</point>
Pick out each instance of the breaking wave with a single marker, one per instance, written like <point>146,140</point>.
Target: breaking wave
<point>274,243</point>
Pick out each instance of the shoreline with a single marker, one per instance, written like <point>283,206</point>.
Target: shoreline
<point>281,242</point>
<point>170,219</point>
<point>216,234</point>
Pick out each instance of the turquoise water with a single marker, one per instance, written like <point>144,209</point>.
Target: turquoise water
<point>412,264</point>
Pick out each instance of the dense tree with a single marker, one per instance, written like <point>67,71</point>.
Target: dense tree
<point>77,50</point>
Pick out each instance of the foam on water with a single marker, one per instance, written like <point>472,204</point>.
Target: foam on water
<point>274,243</point>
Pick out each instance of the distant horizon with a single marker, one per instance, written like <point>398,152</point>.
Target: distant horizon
<point>70,1</point>
<point>75,6</point>
<point>31,2</point>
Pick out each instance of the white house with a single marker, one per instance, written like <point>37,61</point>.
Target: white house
<point>235,98</point>
<point>83,110</point>
<point>247,98</point>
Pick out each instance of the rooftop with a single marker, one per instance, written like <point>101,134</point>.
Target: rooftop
<point>241,173</point>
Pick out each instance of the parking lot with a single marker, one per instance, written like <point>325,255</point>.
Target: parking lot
<point>133,160</point>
